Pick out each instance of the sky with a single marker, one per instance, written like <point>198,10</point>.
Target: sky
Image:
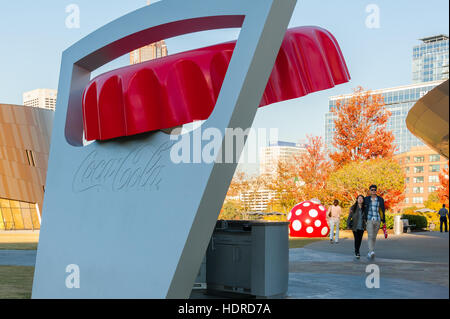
<point>33,34</point>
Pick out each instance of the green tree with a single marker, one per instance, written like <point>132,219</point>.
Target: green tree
<point>230,210</point>
<point>355,178</point>
<point>433,202</point>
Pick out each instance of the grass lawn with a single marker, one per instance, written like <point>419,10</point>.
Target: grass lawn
<point>16,282</point>
<point>19,240</point>
<point>302,242</point>
<point>19,246</point>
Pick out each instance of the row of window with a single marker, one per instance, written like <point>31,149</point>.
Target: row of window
<point>17,215</point>
<point>421,159</point>
<point>420,189</point>
<point>436,44</point>
<point>421,179</point>
<point>420,169</point>
<point>415,200</point>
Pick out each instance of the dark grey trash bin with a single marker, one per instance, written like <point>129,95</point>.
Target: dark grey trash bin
<point>248,257</point>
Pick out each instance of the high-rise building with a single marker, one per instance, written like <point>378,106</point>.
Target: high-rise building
<point>271,155</point>
<point>399,100</point>
<point>257,201</point>
<point>430,59</point>
<point>422,166</point>
<point>42,98</point>
<point>149,52</point>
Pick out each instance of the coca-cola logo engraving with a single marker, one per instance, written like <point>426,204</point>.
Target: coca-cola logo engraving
<point>139,169</point>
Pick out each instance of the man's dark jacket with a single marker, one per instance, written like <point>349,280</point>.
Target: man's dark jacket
<point>381,208</point>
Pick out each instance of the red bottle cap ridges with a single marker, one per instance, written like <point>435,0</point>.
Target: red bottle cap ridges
<point>180,88</point>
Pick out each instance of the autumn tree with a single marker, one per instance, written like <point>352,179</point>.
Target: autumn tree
<point>444,186</point>
<point>360,129</point>
<point>286,187</point>
<point>304,176</point>
<point>355,178</point>
<point>433,202</point>
<point>241,193</point>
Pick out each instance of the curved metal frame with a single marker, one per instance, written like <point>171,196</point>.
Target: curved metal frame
<point>145,242</point>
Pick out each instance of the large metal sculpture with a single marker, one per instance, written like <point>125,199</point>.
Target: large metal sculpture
<point>130,221</point>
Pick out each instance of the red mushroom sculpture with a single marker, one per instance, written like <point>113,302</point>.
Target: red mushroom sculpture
<point>308,219</point>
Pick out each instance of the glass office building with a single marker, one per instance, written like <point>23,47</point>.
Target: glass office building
<point>399,101</point>
<point>430,59</point>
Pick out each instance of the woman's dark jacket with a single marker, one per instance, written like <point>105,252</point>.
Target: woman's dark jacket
<point>353,217</point>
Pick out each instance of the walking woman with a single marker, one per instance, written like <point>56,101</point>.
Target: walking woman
<point>356,221</point>
<point>334,214</point>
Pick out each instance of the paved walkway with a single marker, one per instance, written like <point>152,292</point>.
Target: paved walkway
<point>17,257</point>
<point>411,266</point>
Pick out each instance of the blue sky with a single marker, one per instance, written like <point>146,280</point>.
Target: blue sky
<point>33,34</point>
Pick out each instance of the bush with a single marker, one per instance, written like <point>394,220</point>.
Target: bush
<point>343,222</point>
<point>389,221</point>
<point>418,220</point>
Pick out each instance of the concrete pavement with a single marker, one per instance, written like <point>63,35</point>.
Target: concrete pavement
<point>17,257</point>
<point>411,266</point>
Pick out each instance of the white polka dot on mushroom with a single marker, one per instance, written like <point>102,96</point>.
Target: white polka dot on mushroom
<point>322,208</point>
<point>289,216</point>
<point>324,230</point>
<point>298,212</point>
<point>296,225</point>
<point>308,221</point>
<point>309,230</point>
<point>313,213</point>
<point>306,204</point>
<point>317,223</point>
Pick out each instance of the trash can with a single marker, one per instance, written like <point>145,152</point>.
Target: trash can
<point>248,257</point>
<point>398,225</point>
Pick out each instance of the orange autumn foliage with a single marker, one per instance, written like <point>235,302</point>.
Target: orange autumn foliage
<point>443,190</point>
<point>304,177</point>
<point>360,129</point>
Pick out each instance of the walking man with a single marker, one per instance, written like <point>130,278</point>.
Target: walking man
<point>373,205</point>
<point>444,213</point>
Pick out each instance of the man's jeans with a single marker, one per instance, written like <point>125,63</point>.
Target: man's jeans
<point>334,223</point>
<point>372,227</point>
<point>443,220</point>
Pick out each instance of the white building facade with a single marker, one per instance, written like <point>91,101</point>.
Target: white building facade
<point>42,98</point>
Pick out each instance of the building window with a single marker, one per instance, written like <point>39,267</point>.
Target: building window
<point>419,159</point>
<point>407,158</point>
<point>17,215</point>
<point>417,200</point>
<point>407,169</point>
<point>434,168</point>
<point>433,179</point>
<point>432,189</point>
<point>418,179</point>
<point>30,158</point>
<point>406,200</point>
<point>407,180</point>
<point>418,169</point>
<point>418,190</point>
